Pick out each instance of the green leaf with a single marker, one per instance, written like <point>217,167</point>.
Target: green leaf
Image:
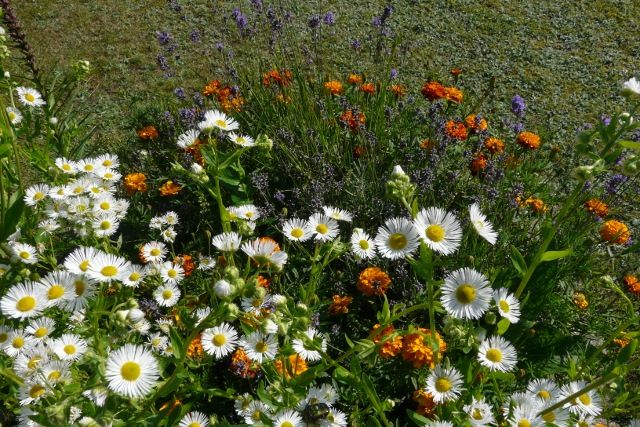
<point>634,145</point>
<point>417,418</point>
<point>4,149</point>
<point>385,315</point>
<point>626,352</point>
<point>553,255</point>
<point>518,261</point>
<point>12,216</point>
<point>503,325</point>
<point>177,343</point>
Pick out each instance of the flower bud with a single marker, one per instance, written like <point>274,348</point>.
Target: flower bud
<point>53,121</point>
<point>231,272</point>
<point>135,315</point>
<point>222,289</point>
<point>269,327</point>
<point>232,312</point>
<point>121,315</point>
<point>631,165</point>
<point>490,318</point>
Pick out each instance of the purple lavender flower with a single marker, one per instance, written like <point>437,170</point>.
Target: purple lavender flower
<point>195,36</point>
<point>330,18</point>
<point>163,37</point>
<point>174,5</point>
<point>376,21</point>
<point>279,196</point>
<point>179,93</point>
<point>518,106</point>
<point>612,186</point>
<point>257,4</point>
<point>517,127</point>
<point>314,22</point>
<point>394,73</point>
<point>356,44</point>
<point>162,62</point>
<point>606,120</point>
<point>219,46</point>
<point>187,117</point>
<point>241,21</point>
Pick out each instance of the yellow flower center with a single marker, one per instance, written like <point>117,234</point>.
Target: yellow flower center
<point>26,304</point>
<point>544,394</point>
<point>435,233</point>
<point>166,294</point>
<point>466,294</point>
<point>105,225</point>
<point>24,255</point>
<point>524,423</point>
<point>3,337</point>
<point>41,332</point>
<point>504,306</point>
<point>443,385</point>
<point>69,349</point>
<point>107,163</point>
<point>134,276</point>
<point>34,362</point>
<point>219,340</point>
<point>78,190</point>
<point>109,271</point>
<point>88,168</point>
<point>286,424</point>
<point>262,347</point>
<point>494,355</point>
<point>249,215</point>
<point>221,123</point>
<point>36,391</point>
<point>297,233</point>
<point>172,273</point>
<point>54,376</point>
<point>29,97</point>
<point>364,245</point>
<point>84,265</point>
<point>585,399</point>
<point>476,414</point>
<point>322,229</point>
<point>108,175</point>
<point>195,424</point>
<point>105,206</point>
<point>66,167</point>
<point>397,241</point>
<point>155,252</point>
<point>17,342</point>
<point>549,417</point>
<point>12,115</point>
<point>55,292</point>
<point>130,371</point>
<point>38,196</point>
<point>80,287</point>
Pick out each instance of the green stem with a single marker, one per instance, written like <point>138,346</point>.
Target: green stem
<point>616,333</point>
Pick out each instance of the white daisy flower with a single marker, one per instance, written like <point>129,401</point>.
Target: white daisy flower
<point>227,241</point>
<point>59,192</point>
<point>444,384</point>
<point>526,415</point>
<point>194,419</point>
<point>188,139</point>
<point>220,340</point>
<point>497,354</point>
<point>260,347</point>
<point>466,294</point>
<point>439,424</point>
<point>247,212</point>
<point>69,347</point>
<point>41,328</point>
<point>157,342</point>
<point>201,314</point>
<point>105,224</point>
<point>58,287</point>
<point>142,327</point>
<point>18,342</point>
<point>171,218</point>
<point>15,116</point>
<point>4,269</point>
<point>288,418</point>
<point>255,412</point>
<point>508,305</point>
<point>242,403</point>
<point>206,263</point>
<point>23,300</point>
<point>337,214</point>
<point>169,235</point>
<point>334,418</point>
<point>30,362</point>
<point>167,294</point>
<point>362,245</point>
<point>108,268</point>
<point>558,417</point>
<point>79,186</point>
<point>482,226</point>
<point>397,239</point>
<point>30,97</point>
<point>135,277</point>
<point>309,344</point>
<point>97,395</point>
<point>588,403</point>
<point>256,304</point>
<point>265,252</point>
<point>132,371</point>
<point>84,291</point>
<point>32,391</point>
<point>439,229</point>
<point>241,140</point>
<point>104,203</point>
<point>214,119</point>
<point>171,272</point>
<point>109,175</point>
<point>297,229</point>
<point>24,252</point>
<point>55,371</point>
<point>631,88</point>
<point>156,223</point>
<point>324,228</point>
<point>4,335</point>
<point>48,226</point>
<point>79,207</point>
<point>36,194</point>
<point>543,389</point>
<point>479,412</point>
<point>66,166</point>
<point>80,259</point>
<point>109,161</point>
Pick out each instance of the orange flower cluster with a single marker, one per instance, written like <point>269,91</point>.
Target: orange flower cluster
<point>456,130</point>
<point>434,91</point>
<point>263,282</point>
<point>340,305</point>
<point>474,124</point>
<point>597,207</point>
<point>148,132</point>
<point>293,366</point>
<point>373,281</point>
<point>334,87</point>
<point>398,90</point>
<point>390,347</point>
<point>275,77</point>
<point>242,366</point>
<point>528,140</point>
<point>417,351</point>
<point>195,350</point>
<point>427,144</point>
<point>455,72</point>
<point>621,342</point>
<point>537,205</point>
<point>353,119</point>
<point>478,163</point>
<point>614,231</point>
<point>368,88</point>
<point>494,145</point>
<point>135,182</point>
<point>632,283</point>
<point>425,402</point>
<point>228,100</point>
<point>354,79</point>
<point>580,300</point>
<point>187,263</point>
<point>170,188</point>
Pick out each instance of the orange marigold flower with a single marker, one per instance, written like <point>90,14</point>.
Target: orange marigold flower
<point>391,346</point>
<point>169,188</point>
<point>455,71</point>
<point>358,151</point>
<point>354,79</point>
<point>632,283</point>
<point>494,145</point>
<point>433,91</point>
<point>580,300</point>
<point>398,90</point>
<point>276,77</point>
<point>368,88</point>
<point>417,350</point>
<point>427,144</point>
<point>212,88</point>
<point>478,163</point>
<point>621,342</point>
<point>353,119</point>
<point>597,207</point>
<point>187,263</point>
<point>290,367</point>
<point>195,349</point>
<point>373,281</point>
<point>456,130</point>
<point>614,231</point>
<point>135,182</point>
<point>340,304</point>
<point>528,140</point>
<point>148,132</point>
<point>537,205</point>
<point>334,87</point>
<point>475,124</point>
<point>425,402</point>
<point>242,366</point>
<point>453,94</point>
